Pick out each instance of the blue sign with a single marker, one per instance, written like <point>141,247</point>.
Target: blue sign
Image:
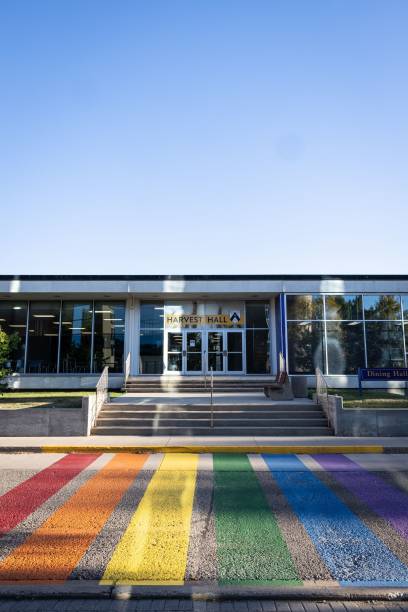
<point>381,374</point>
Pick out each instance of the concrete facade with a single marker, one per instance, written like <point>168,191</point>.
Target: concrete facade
<point>135,289</point>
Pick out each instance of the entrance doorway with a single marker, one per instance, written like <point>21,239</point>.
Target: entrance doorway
<point>225,351</point>
<point>196,352</point>
<point>185,352</point>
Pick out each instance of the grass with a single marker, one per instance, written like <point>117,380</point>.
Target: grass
<point>371,398</point>
<point>17,400</point>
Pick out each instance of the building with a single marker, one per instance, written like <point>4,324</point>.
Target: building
<point>67,328</point>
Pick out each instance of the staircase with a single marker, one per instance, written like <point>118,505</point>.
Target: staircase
<point>255,418</point>
<point>196,384</point>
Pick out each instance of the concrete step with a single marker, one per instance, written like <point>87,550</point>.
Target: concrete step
<point>190,389</point>
<point>208,431</point>
<point>205,406</point>
<point>204,421</point>
<point>197,414</point>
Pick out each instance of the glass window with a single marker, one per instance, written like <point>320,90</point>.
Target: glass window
<point>13,321</point>
<point>76,337</point>
<point>257,351</point>
<point>185,307</point>
<point>109,336</point>
<point>345,347</point>
<point>406,341</point>
<point>174,342</point>
<point>302,307</point>
<point>382,307</point>
<point>215,342</point>
<point>344,307</point>
<point>152,315</point>
<point>226,308</point>
<point>43,337</point>
<point>305,347</point>
<point>151,352</point>
<point>385,347</point>
<point>405,306</point>
<point>257,314</point>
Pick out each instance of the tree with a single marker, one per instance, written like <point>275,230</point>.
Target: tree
<point>7,345</point>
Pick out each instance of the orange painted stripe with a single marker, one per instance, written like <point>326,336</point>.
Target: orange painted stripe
<point>54,549</point>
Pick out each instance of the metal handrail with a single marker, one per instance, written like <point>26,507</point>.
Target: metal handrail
<point>212,396</point>
<point>322,388</point>
<point>127,366</point>
<point>102,387</point>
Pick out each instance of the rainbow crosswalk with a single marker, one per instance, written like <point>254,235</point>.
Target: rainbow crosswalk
<point>226,518</point>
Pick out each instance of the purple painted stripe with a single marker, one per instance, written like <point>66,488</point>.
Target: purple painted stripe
<point>387,501</point>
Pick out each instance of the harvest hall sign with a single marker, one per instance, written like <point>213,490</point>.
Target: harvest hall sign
<point>232,319</point>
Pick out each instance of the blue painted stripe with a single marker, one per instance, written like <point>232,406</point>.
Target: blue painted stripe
<point>374,584</point>
<point>350,550</point>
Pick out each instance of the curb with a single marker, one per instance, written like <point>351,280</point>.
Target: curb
<point>93,590</point>
<point>200,449</point>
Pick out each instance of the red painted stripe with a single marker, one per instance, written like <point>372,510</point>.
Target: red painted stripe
<point>20,502</point>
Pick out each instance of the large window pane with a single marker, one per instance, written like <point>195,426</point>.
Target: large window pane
<point>226,308</point>
<point>382,307</point>
<point>43,333</point>
<point>76,337</point>
<point>344,307</point>
<point>305,347</point>
<point>405,306</point>
<point>109,336</point>
<point>257,314</point>
<point>345,347</point>
<point>385,347</point>
<point>152,315</point>
<point>151,352</point>
<point>406,341</point>
<point>300,307</point>
<point>13,321</point>
<point>257,351</point>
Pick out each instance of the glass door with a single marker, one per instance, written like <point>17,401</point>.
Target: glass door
<point>193,352</point>
<point>175,352</point>
<point>234,352</point>
<point>215,352</point>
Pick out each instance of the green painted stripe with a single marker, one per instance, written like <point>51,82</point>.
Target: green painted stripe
<point>250,546</point>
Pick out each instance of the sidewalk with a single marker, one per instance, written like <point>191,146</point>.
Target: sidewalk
<point>216,444</point>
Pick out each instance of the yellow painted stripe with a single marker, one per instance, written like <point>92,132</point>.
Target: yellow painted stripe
<point>154,546</point>
<point>280,450</point>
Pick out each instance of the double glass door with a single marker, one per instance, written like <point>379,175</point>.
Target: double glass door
<point>185,352</point>
<point>196,352</point>
<point>225,352</point>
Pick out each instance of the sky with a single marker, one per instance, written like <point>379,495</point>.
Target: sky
<point>203,136</point>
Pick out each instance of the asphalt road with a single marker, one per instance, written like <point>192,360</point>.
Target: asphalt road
<point>177,519</point>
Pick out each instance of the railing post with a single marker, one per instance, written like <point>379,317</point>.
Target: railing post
<point>211,397</point>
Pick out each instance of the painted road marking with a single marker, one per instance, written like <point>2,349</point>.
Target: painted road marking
<point>309,565</point>
<point>202,552</point>
<point>199,448</point>
<point>382,498</point>
<point>17,504</point>
<point>350,550</point>
<point>250,546</point>
<point>94,562</point>
<point>55,548</point>
<point>154,546</point>
<point>15,469</point>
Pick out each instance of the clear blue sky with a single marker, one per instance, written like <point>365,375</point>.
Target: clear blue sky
<point>203,136</point>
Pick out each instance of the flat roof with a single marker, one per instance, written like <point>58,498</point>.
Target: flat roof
<point>202,277</point>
